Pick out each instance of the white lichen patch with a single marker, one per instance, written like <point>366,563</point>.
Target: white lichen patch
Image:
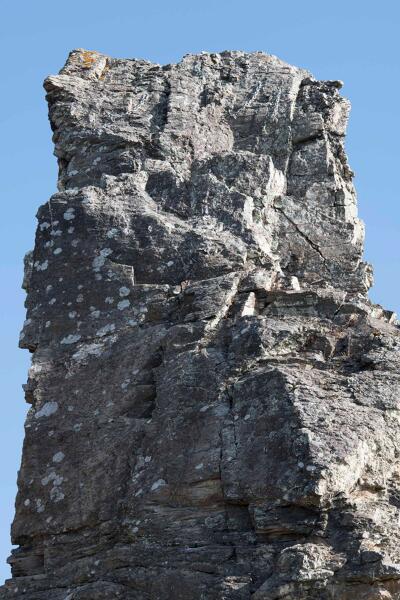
<point>99,260</point>
<point>69,214</point>
<point>58,457</point>
<point>123,304</point>
<point>41,266</point>
<point>124,291</point>
<point>125,384</point>
<point>56,495</point>
<point>49,408</point>
<point>157,484</point>
<point>52,477</point>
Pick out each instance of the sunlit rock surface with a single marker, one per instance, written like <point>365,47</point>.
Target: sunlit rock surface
<point>215,402</point>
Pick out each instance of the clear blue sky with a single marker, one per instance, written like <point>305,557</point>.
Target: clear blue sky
<point>357,42</point>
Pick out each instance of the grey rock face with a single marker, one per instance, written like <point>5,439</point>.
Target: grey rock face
<point>215,402</point>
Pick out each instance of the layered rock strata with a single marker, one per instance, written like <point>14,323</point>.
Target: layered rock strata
<point>215,401</point>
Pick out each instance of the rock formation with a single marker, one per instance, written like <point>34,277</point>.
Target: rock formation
<point>215,401</point>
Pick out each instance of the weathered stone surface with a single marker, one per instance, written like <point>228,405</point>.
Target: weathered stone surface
<point>215,402</point>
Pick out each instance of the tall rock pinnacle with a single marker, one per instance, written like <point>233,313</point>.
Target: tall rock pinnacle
<point>215,401</point>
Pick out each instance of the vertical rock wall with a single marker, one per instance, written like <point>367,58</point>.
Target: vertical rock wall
<point>215,402</point>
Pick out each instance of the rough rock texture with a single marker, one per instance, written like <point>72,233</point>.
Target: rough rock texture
<point>215,402</point>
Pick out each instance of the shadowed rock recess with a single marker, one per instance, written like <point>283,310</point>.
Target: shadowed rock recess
<point>215,401</point>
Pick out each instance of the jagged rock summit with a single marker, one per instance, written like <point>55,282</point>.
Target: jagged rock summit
<point>215,401</point>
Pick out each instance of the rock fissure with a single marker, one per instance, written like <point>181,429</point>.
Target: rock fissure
<point>313,245</point>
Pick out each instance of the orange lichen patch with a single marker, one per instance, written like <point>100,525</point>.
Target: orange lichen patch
<point>88,58</point>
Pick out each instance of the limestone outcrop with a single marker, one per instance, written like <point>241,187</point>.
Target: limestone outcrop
<point>215,401</point>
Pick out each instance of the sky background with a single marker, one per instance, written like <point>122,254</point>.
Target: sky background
<point>357,42</point>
